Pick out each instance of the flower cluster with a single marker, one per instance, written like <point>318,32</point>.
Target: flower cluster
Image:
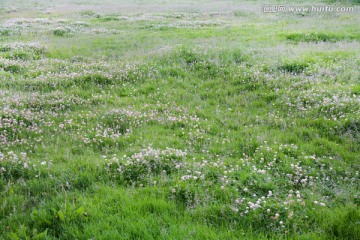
<point>15,166</point>
<point>140,168</point>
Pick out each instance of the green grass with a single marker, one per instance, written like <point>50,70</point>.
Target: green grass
<point>209,121</point>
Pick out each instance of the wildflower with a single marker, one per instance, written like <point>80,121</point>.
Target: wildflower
<point>275,217</point>
<point>235,210</point>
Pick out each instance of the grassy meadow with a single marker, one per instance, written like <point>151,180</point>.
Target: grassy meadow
<point>168,119</point>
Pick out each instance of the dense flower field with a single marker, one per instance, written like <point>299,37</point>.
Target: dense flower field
<point>199,123</point>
